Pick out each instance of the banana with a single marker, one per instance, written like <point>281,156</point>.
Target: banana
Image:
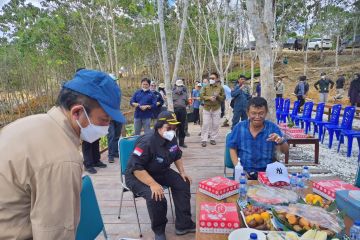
<point>321,235</point>
<point>309,235</point>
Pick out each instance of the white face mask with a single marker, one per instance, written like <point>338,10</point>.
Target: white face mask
<point>145,90</point>
<point>92,132</point>
<point>212,81</point>
<point>322,77</point>
<point>169,135</point>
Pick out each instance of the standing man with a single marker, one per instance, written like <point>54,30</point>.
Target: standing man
<point>354,91</point>
<point>144,101</point>
<point>228,109</point>
<point>241,95</point>
<point>204,83</point>
<point>340,82</point>
<point>212,95</point>
<point>40,179</point>
<point>159,100</point>
<point>323,87</point>
<point>301,90</point>
<point>162,91</point>
<point>280,88</point>
<point>180,99</point>
<point>254,141</point>
<point>196,102</point>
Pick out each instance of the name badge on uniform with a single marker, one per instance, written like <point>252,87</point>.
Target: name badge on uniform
<point>173,148</point>
<point>159,159</point>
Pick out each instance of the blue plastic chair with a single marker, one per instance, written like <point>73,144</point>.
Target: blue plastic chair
<point>126,148</point>
<point>350,134</point>
<point>346,124</point>
<point>285,112</point>
<point>279,103</point>
<point>334,120</point>
<point>318,117</point>
<point>227,159</point>
<point>295,110</point>
<point>308,106</point>
<point>91,223</point>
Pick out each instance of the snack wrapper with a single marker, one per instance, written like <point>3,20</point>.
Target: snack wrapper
<point>265,196</point>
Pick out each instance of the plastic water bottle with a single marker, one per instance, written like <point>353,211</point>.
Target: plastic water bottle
<point>253,236</point>
<point>355,231</point>
<point>300,185</point>
<point>243,177</point>
<point>242,191</point>
<point>306,176</point>
<point>293,182</point>
<point>238,170</point>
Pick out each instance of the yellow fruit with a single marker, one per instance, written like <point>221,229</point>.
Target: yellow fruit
<point>258,218</point>
<point>317,199</point>
<point>265,216</point>
<point>309,198</point>
<point>249,218</point>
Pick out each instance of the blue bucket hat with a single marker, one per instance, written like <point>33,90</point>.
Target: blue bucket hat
<point>101,87</point>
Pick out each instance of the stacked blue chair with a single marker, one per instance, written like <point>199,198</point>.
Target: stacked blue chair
<point>346,124</point>
<point>334,120</point>
<point>318,117</point>
<point>227,159</point>
<point>91,223</point>
<point>295,110</point>
<point>279,103</point>
<point>350,134</point>
<point>308,106</point>
<point>285,112</point>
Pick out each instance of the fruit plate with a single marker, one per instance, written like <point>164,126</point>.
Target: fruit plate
<point>257,218</point>
<point>244,233</point>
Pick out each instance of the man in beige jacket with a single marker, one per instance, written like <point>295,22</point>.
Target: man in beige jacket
<point>41,165</point>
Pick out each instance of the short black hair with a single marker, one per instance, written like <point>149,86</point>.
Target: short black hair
<point>68,98</point>
<point>215,73</point>
<point>146,80</point>
<point>257,102</point>
<point>242,76</point>
<point>302,78</point>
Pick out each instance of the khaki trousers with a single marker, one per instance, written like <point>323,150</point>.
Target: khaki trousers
<point>211,124</point>
<point>228,111</point>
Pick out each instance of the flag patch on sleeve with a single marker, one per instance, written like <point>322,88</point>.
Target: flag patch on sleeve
<point>138,151</point>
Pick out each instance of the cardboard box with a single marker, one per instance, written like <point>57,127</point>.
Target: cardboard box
<point>347,204</point>
<point>218,217</point>
<point>219,187</point>
<point>328,188</point>
<point>262,178</point>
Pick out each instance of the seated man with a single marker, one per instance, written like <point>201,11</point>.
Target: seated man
<point>149,169</point>
<point>255,139</point>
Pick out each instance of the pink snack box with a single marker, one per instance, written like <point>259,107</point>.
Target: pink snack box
<point>219,187</point>
<point>328,188</point>
<point>264,180</point>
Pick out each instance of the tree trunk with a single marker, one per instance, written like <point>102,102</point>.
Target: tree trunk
<point>116,66</point>
<point>322,50</point>
<point>260,14</point>
<point>181,40</point>
<point>337,53</point>
<point>165,58</point>
<point>354,36</point>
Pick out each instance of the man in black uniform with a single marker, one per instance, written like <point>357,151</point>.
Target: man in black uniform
<point>149,169</point>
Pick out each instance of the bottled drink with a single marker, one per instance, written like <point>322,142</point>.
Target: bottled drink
<point>238,170</point>
<point>242,191</point>
<point>306,176</point>
<point>243,177</point>
<point>300,185</point>
<point>355,231</point>
<point>293,182</point>
<point>253,236</point>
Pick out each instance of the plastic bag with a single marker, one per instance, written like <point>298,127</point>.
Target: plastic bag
<point>316,216</point>
<point>266,196</point>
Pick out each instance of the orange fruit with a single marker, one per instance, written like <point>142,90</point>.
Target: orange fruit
<point>258,218</point>
<point>265,216</point>
<point>309,198</point>
<point>249,218</point>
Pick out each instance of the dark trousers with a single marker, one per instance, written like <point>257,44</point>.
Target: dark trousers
<point>157,209</point>
<point>237,115</point>
<point>196,115</point>
<point>279,95</point>
<point>91,153</point>
<point>180,130</point>
<point>113,139</point>
<point>301,100</point>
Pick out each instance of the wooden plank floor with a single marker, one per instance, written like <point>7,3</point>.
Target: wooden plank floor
<point>200,163</point>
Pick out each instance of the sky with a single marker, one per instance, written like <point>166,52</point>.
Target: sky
<point>34,2</point>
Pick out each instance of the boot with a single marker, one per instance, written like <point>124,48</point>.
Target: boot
<point>182,142</point>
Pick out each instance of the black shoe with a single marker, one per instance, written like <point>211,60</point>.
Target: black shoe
<point>191,229</point>
<point>187,134</point>
<point>91,170</point>
<point>199,134</point>
<point>203,144</point>
<point>212,142</point>
<point>100,164</point>
<point>111,160</point>
<point>160,236</point>
<point>183,145</point>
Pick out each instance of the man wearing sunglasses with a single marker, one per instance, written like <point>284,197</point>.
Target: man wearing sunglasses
<point>255,140</point>
<point>148,170</point>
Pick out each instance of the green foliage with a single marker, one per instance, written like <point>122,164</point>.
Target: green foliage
<point>234,75</point>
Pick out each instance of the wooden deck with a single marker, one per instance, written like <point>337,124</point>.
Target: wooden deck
<point>200,163</point>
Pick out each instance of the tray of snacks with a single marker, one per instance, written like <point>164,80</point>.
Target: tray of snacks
<point>316,200</point>
<point>301,217</point>
<point>282,236</point>
<point>266,197</point>
<point>258,218</point>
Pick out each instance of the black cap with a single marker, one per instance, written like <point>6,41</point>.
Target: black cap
<point>168,117</point>
<point>322,74</point>
<point>242,76</point>
<point>302,78</point>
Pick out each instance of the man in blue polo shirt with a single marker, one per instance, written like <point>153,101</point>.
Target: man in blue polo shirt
<point>144,101</point>
<point>254,141</point>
